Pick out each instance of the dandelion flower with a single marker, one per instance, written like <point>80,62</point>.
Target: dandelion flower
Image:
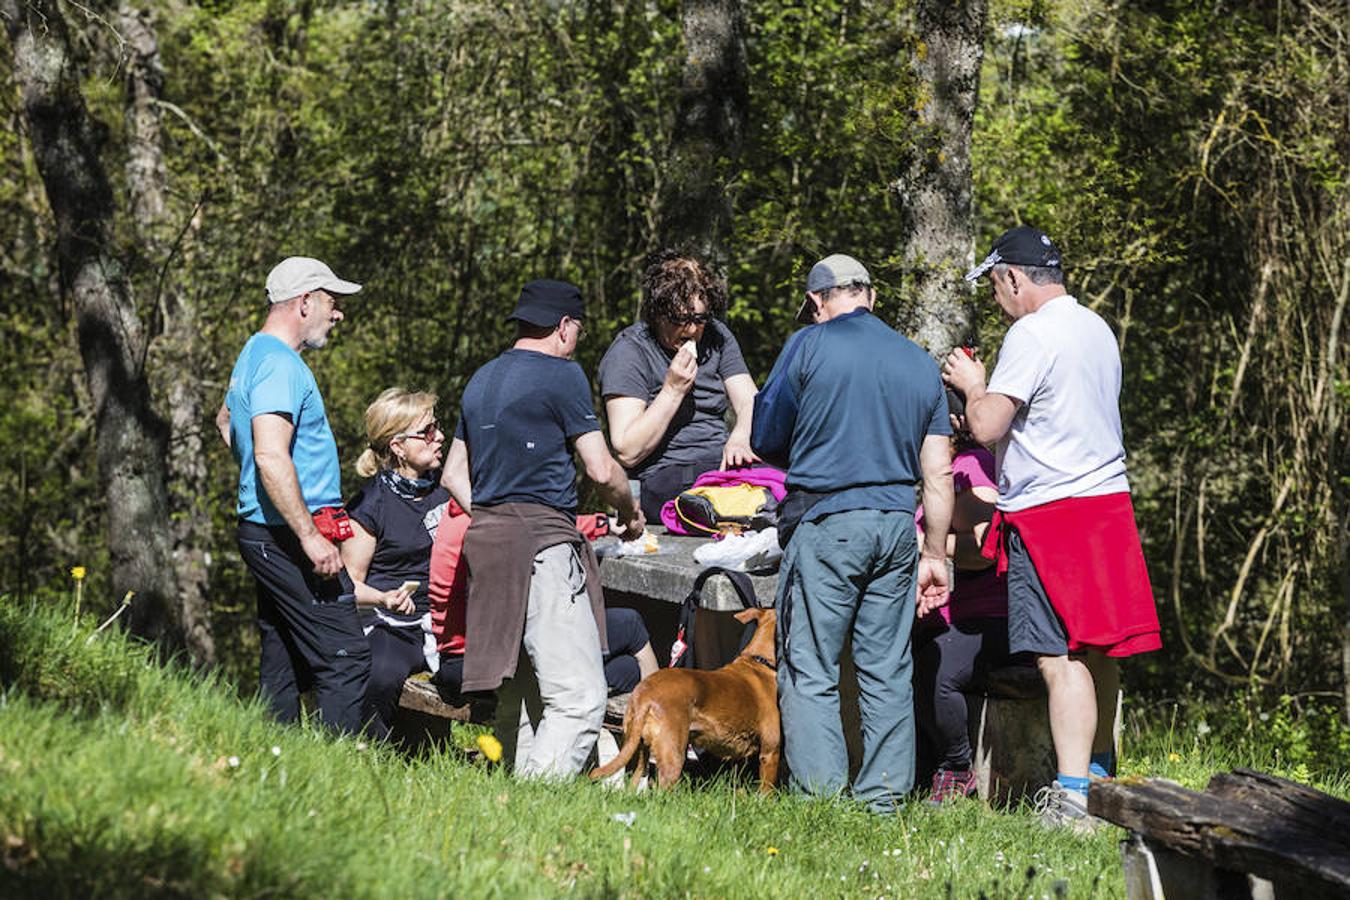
<point>772,851</point>
<point>1174,757</point>
<point>490,747</point>
<point>77,572</point>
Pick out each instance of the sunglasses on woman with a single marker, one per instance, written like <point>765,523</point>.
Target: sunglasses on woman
<point>702,318</point>
<point>427,434</point>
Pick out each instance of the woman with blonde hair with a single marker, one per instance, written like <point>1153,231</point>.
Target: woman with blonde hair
<point>394,519</point>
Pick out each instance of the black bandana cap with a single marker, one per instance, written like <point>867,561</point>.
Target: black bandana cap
<point>1020,246</point>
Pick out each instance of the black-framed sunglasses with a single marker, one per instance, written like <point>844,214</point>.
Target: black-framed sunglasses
<point>427,434</point>
<point>702,318</point>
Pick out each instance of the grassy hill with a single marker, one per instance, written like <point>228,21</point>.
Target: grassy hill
<point>122,777</point>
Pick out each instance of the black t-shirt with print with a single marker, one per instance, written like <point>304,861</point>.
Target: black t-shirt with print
<point>404,529</point>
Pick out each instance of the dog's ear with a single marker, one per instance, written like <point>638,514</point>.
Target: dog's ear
<point>746,615</point>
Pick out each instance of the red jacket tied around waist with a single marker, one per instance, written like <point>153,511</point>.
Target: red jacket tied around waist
<point>1087,553</point>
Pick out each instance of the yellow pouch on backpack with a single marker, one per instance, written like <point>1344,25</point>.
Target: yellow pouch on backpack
<point>733,508</point>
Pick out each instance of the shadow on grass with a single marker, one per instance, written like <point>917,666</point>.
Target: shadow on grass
<point>100,862</point>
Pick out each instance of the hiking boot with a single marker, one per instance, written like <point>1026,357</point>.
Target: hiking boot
<point>948,784</point>
<point>1058,807</point>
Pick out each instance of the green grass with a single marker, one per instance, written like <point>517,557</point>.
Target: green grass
<point>118,777</point>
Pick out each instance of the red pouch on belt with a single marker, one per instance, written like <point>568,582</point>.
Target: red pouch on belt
<point>333,523</point>
<point>593,525</point>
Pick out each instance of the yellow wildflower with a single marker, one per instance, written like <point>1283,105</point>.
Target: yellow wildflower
<point>772,851</point>
<point>77,572</point>
<point>491,747</point>
<point>1174,757</point>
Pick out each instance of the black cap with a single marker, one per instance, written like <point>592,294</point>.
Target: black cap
<point>545,302</point>
<point>1020,246</point>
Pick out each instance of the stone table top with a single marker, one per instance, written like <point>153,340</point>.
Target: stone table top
<point>669,575</point>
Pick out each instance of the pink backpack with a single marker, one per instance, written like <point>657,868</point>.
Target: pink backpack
<point>766,477</point>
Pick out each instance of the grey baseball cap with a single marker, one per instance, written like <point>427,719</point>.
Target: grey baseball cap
<point>296,275</point>
<point>833,271</point>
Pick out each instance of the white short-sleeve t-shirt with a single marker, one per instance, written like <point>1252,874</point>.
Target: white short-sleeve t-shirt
<point>1063,364</point>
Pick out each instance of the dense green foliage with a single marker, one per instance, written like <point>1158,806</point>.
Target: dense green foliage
<point>1191,160</point>
<point>123,778</point>
<point>1196,164</point>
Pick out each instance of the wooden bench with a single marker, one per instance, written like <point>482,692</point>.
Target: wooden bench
<point>1247,834</point>
<point>425,716</point>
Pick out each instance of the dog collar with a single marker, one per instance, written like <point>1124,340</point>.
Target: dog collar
<point>764,662</point>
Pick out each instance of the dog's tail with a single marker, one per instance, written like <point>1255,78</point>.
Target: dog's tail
<point>633,721</point>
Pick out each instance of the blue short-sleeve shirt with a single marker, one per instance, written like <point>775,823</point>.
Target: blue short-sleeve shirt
<point>270,377</point>
<point>846,410</point>
<point>519,416</point>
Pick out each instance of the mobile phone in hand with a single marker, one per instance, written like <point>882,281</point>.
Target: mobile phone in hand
<point>409,587</point>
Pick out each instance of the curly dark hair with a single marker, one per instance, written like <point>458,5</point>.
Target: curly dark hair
<point>672,281</point>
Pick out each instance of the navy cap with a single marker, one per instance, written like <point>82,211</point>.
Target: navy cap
<point>1020,246</point>
<point>545,302</point>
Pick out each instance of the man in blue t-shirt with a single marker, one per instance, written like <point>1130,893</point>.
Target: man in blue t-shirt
<point>534,590</point>
<point>857,415</point>
<point>290,501</point>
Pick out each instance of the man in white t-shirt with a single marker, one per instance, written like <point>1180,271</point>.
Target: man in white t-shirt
<point>1078,590</point>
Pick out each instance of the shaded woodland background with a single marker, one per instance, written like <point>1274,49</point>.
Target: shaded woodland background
<point>1192,160</point>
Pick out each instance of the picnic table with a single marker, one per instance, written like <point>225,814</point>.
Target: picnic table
<point>668,576</point>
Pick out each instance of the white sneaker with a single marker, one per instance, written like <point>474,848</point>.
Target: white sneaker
<point>1059,807</point>
<point>606,748</point>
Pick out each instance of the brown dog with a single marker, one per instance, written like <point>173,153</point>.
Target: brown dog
<point>731,712</point>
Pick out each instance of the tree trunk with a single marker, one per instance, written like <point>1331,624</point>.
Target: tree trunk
<point>937,236</point>
<point>131,439</point>
<point>176,350</point>
<point>695,213</point>
<point>146,179</point>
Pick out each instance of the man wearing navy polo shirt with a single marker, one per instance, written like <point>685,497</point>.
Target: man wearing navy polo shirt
<point>290,502</point>
<point>857,415</point>
<point>535,617</point>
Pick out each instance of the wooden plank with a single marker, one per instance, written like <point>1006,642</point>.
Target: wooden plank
<point>1231,833</point>
<point>1322,815</point>
<point>421,696</point>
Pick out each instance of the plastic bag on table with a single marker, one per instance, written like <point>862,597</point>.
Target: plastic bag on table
<point>745,552</point>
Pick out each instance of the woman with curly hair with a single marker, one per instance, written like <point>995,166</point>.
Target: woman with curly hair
<point>668,379</point>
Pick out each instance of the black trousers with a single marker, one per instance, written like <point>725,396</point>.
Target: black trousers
<point>395,653</point>
<point>627,635</point>
<point>945,666</point>
<point>310,634</point>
